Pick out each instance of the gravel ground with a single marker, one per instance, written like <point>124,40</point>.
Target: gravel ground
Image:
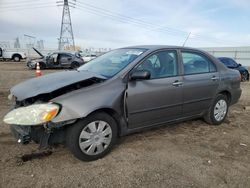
<point>189,154</point>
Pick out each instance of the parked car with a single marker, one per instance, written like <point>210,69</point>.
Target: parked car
<point>12,55</point>
<point>57,60</point>
<point>232,64</point>
<point>89,57</point>
<point>121,92</point>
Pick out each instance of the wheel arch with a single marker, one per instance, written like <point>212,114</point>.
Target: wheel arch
<point>227,94</point>
<point>16,54</point>
<point>114,114</point>
<point>41,63</point>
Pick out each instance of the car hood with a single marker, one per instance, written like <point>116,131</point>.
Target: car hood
<point>51,82</point>
<point>39,53</point>
<point>241,68</point>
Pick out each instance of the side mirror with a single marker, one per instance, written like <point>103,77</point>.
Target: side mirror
<point>239,65</point>
<point>140,75</point>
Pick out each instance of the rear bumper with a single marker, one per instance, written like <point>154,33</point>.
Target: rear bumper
<point>235,96</point>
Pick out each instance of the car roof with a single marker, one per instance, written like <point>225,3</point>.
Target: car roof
<point>156,47</point>
<point>224,58</point>
<point>62,52</point>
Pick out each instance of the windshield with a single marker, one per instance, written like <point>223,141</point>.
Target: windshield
<point>112,62</point>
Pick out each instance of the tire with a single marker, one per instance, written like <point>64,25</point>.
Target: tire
<point>244,76</point>
<point>86,144</point>
<point>75,65</point>
<point>42,65</point>
<point>16,58</point>
<point>220,101</point>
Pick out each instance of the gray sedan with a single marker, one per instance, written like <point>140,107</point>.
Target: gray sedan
<point>121,92</point>
<point>57,60</point>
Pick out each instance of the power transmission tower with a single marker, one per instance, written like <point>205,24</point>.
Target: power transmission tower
<point>66,35</point>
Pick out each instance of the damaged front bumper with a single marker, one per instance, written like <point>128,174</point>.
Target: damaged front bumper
<point>21,133</point>
<point>38,134</point>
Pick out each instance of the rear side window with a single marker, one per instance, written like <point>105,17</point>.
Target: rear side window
<point>195,63</point>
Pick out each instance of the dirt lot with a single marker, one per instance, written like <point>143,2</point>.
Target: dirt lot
<point>190,154</point>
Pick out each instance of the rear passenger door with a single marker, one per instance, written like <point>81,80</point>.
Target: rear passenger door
<point>65,59</point>
<point>200,82</point>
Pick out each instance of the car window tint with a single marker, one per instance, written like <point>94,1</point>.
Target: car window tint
<point>228,62</point>
<point>196,64</point>
<point>161,64</point>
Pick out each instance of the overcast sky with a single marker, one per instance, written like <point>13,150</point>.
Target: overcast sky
<point>211,22</point>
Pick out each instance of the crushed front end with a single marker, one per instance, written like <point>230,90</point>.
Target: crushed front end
<point>26,126</point>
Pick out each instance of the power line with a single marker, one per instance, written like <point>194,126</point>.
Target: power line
<point>113,17</point>
<point>86,7</point>
<point>26,8</point>
<point>169,30</point>
<point>27,5</point>
<point>20,2</point>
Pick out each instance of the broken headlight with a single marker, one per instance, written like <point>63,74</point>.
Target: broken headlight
<point>35,114</point>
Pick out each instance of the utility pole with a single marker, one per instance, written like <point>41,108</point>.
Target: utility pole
<point>66,34</point>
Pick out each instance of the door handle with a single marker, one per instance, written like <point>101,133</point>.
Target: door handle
<point>215,78</point>
<point>177,83</point>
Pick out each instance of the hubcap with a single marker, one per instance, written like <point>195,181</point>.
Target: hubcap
<point>95,137</point>
<point>220,110</point>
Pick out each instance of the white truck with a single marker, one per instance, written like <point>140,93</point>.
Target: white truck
<point>14,55</point>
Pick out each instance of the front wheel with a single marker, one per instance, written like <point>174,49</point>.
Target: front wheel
<point>93,137</point>
<point>218,110</point>
<point>244,76</point>
<point>75,65</point>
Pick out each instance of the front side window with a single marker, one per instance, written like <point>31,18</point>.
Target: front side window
<point>195,63</point>
<point>112,62</point>
<point>160,65</point>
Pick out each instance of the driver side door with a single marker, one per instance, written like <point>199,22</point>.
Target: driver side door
<point>158,99</point>
<point>53,60</point>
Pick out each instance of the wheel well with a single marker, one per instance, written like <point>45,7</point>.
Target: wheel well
<point>16,55</point>
<point>113,114</point>
<point>75,62</point>
<point>227,94</point>
<point>43,64</point>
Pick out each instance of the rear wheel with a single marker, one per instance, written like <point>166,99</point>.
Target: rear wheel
<point>16,58</point>
<point>93,137</point>
<point>218,110</point>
